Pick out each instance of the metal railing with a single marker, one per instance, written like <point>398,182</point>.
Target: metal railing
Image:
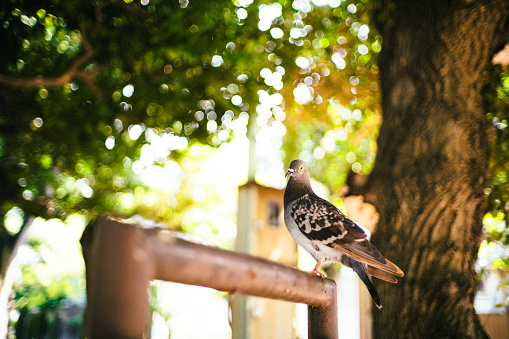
<point>128,256</point>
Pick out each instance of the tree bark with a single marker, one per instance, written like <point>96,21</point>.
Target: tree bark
<point>432,162</point>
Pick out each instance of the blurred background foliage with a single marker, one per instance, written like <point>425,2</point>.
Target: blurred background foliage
<point>85,89</point>
<point>494,250</point>
<point>49,291</point>
<point>145,107</point>
<point>496,96</point>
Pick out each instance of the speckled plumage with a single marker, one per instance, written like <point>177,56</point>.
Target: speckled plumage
<point>327,234</point>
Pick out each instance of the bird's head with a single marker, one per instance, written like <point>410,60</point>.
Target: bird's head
<point>298,169</point>
<point>298,182</point>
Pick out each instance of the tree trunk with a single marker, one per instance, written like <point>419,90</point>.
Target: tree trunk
<point>8,273</point>
<point>432,162</point>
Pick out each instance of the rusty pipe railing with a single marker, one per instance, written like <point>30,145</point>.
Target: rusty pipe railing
<point>128,256</point>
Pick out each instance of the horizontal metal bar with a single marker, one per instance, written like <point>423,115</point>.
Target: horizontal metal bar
<point>129,256</point>
<point>235,272</point>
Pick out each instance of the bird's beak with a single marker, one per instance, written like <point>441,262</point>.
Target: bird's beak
<point>290,171</point>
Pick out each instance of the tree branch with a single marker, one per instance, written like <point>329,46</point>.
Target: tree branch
<point>74,72</point>
<point>501,45</point>
<point>502,56</point>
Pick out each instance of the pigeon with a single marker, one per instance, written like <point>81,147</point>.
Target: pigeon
<point>327,234</point>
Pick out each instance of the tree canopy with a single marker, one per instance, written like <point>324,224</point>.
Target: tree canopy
<point>86,86</point>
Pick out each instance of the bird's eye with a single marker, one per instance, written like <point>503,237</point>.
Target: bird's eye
<point>301,167</point>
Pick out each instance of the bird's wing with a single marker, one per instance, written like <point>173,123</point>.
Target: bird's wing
<point>367,253</point>
<point>319,220</point>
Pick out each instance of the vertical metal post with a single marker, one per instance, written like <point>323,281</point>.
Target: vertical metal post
<point>122,269</point>
<point>323,321</point>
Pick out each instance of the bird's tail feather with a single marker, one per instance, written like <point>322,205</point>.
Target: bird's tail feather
<point>378,273</point>
<point>365,278</point>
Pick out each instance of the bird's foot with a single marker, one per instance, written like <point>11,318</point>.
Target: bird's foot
<point>317,272</point>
